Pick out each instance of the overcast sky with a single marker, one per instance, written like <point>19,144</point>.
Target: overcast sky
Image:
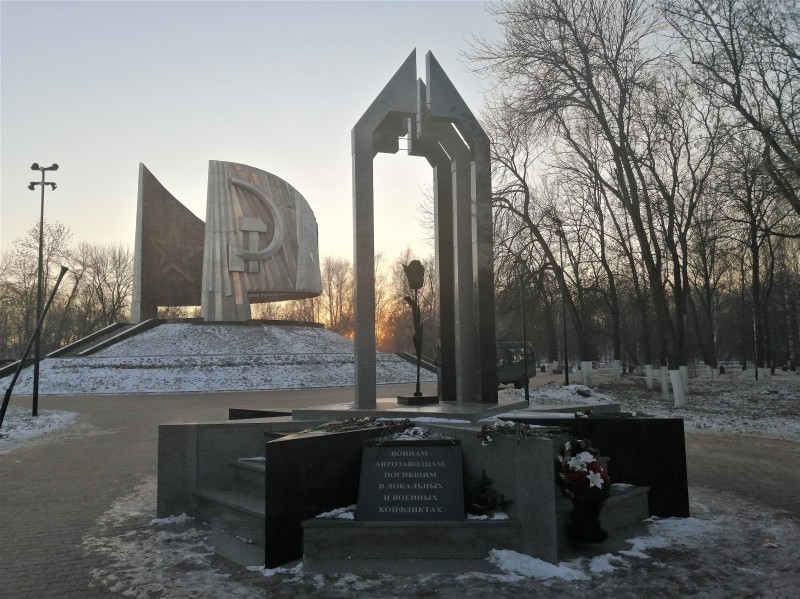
<point>99,87</point>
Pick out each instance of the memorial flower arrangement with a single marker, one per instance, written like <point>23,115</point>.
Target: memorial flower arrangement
<point>416,433</point>
<point>582,478</point>
<point>391,430</point>
<point>582,473</point>
<point>358,424</point>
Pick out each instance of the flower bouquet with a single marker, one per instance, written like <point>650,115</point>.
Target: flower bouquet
<point>583,479</point>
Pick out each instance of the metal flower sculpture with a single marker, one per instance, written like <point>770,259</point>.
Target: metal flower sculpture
<point>415,273</point>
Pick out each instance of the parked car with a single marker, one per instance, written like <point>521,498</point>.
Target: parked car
<point>511,363</point>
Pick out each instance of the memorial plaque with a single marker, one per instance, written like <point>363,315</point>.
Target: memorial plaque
<point>411,480</point>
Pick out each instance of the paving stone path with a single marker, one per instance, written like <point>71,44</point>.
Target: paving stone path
<point>53,492</point>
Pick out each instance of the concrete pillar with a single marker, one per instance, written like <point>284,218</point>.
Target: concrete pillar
<point>664,382</point>
<point>467,367</point>
<point>364,280</point>
<point>586,375</point>
<point>677,388</point>
<point>445,277</point>
<point>376,131</point>
<point>483,262</point>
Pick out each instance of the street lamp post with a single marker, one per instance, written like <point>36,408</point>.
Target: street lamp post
<point>40,280</point>
<point>521,266</point>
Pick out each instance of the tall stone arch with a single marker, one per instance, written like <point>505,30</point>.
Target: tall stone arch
<point>442,129</point>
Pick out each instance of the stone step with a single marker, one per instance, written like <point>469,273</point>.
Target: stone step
<point>125,332</point>
<point>73,348</point>
<point>239,514</point>
<point>331,545</point>
<point>626,505</point>
<point>249,476</point>
<point>238,549</point>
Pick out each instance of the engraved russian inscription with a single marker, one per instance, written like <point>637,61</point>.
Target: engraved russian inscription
<point>411,482</point>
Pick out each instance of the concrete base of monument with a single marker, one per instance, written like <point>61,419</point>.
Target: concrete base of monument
<point>390,407</point>
<point>220,472</point>
<point>399,567</point>
<point>417,400</point>
<point>398,547</point>
<point>336,546</point>
<point>626,506</point>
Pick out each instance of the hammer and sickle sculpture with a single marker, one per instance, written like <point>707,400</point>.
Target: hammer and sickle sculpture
<point>256,225</point>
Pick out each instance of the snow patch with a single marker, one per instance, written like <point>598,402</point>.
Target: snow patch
<point>175,358</point>
<point>495,516</point>
<point>526,566</point>
<point>142,561</point>
<point>181,519</point>
<point>735,406</point>
<point>19,424</point>
<point>297,569</point>
<point>343,513</point>
<point>432,419</point>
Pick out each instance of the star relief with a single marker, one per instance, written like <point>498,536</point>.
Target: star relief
<point>595,480</point>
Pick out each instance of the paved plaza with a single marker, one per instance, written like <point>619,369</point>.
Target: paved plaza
<point>53,492</point>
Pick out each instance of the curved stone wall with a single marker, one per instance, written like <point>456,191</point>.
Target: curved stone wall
<point>261,242</point>
<point>168,258</point>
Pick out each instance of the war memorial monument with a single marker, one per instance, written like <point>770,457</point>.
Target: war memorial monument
<point>408,486</point>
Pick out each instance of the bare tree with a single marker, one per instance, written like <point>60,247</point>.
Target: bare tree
<point>710,260</point>
<point>337,295</point>
<point>789,259</point>
<point>20,285</point>
<point>745,56</point>
<point>565,65</point>
<point>104,274</point>
<point>8,311</point>
<point>755,217</point>
<point>680,143</point>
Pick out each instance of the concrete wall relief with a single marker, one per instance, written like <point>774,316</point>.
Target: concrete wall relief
<point>259,244</point>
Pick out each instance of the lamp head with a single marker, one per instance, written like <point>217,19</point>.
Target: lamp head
<point>53,186</point>
<point>52,167</point>
<point>35,166</point>
<point>32,185</point>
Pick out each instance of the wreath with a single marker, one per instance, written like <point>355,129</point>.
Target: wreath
<point>582,478</point>
<point>580,472</point>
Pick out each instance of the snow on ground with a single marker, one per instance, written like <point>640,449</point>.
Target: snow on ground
<point>19,425</point>
<point>756,408</point>
<point>710,554</point>
<point>190,339</point>
<point>165,558</point>
<point>174,358</point>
